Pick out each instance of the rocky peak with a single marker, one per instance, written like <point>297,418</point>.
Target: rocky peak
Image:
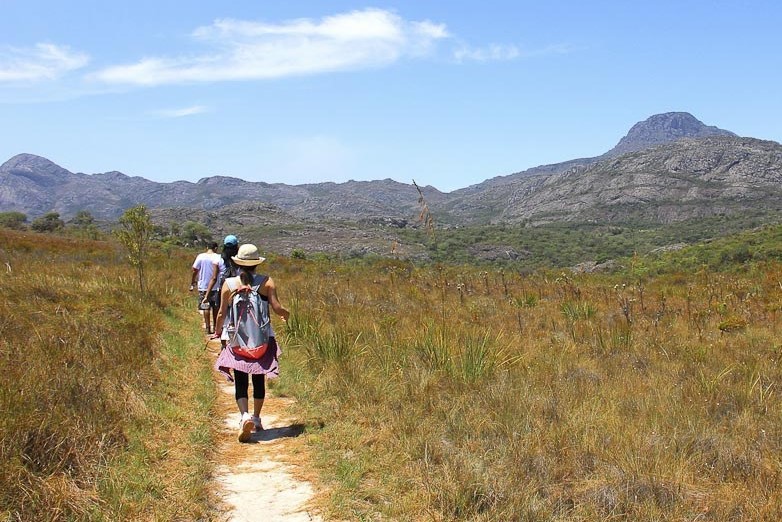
<point>664,128</point>
<point>29,162</point>
<point>36,169</point>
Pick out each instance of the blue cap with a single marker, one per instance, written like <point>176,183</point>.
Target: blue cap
<point>230,240</point>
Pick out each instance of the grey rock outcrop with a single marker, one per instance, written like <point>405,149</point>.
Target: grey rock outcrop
<point>664,128</point>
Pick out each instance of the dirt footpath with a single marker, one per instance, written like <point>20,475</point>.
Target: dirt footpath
<point>266,478</point>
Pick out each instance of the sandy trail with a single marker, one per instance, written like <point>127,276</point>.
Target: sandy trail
<point>264,479</point>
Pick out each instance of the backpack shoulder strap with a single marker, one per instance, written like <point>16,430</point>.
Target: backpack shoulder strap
<point>258,281</point>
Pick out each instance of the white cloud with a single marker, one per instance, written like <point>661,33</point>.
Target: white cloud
<point>497,52</point>
<point>246,50</point>
<point>45,61</point>
<point>494,52</point>
<point>180,113</point>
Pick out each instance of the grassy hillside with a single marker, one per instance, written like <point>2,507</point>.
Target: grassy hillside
<point>741,251</point>
<point>95,384</point>
<point>567,244</point>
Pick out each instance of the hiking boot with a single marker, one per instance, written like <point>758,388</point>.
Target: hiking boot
<point>246,426</point>
<point>257,423</point>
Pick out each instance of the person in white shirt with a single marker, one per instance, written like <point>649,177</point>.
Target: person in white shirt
<point>206,264</point>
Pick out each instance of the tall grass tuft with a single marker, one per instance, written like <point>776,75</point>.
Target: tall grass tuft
<point>482,356</point>
<point>434,350</point>
<point>333,346</point>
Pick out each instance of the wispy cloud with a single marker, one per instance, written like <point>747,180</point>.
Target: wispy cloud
<point>247,50</point>
<point>181,113</point>
<point>44,61</point>
<point>494,52</point>
<point>498,52</point>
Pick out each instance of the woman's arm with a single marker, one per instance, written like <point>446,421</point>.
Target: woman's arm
<point>271,293</point>
<point>225,297</point>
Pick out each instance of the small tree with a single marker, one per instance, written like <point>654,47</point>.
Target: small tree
<point>175,229</point>
<point>83,225</point>
<point>14,220</point>
<point>194,233</point>
<point>83,218</point>
<point>134,232</point>
<point>49,222</point>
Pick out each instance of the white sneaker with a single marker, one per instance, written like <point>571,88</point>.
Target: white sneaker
<point>257,423</point>
<point>246,426</point>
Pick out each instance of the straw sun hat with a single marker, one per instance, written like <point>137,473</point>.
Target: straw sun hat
<point>248,255</point>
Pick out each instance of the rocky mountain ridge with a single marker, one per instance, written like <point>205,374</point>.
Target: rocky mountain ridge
<point>685,179</point>
<point>668,167</point>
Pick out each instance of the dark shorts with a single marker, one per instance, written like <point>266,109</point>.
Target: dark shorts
<point>214,299</point>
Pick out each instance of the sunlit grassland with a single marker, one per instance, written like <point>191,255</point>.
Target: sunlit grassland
<point>457,394</point>
<point>430,393</point>
<point>105,394</point>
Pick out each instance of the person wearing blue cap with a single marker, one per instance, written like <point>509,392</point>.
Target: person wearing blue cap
<point>225,268</point>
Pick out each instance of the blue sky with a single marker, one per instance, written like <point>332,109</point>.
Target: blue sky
<point>446,93</point>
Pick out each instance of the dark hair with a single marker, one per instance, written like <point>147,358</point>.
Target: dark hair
<point>228,252</point>
<point>212,246</point>
<point>246,274</point>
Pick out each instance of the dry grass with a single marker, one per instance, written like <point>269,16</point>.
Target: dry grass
<point>454,394</point>
<point>430,394</point>
<point>85,385</point>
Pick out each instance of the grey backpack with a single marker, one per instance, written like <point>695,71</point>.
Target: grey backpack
<point>250,326</point>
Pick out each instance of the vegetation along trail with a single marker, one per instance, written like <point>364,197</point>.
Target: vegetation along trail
<point>263,479</point>
<point>423,392</point>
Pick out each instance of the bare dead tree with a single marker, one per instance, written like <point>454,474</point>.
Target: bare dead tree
<point>425,216</point>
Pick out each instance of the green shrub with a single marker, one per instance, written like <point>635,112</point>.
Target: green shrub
<point>49,222</point>
<point>13,220</point>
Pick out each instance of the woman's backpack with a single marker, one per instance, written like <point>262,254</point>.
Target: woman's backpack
<point>250,327</point>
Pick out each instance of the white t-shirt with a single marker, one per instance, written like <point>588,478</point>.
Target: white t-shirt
<point>206,264</point>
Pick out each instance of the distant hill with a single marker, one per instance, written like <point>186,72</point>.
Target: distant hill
<point>506,198</point>
<point>35,185</point>
<point>687,179</point>
<point>668,167</point>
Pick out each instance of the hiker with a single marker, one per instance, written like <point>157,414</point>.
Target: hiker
<point>224,269</point>
<point>204,267</point>
<point>229,328</point>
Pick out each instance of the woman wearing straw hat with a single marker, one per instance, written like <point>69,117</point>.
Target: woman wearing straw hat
<point>247,259</point>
